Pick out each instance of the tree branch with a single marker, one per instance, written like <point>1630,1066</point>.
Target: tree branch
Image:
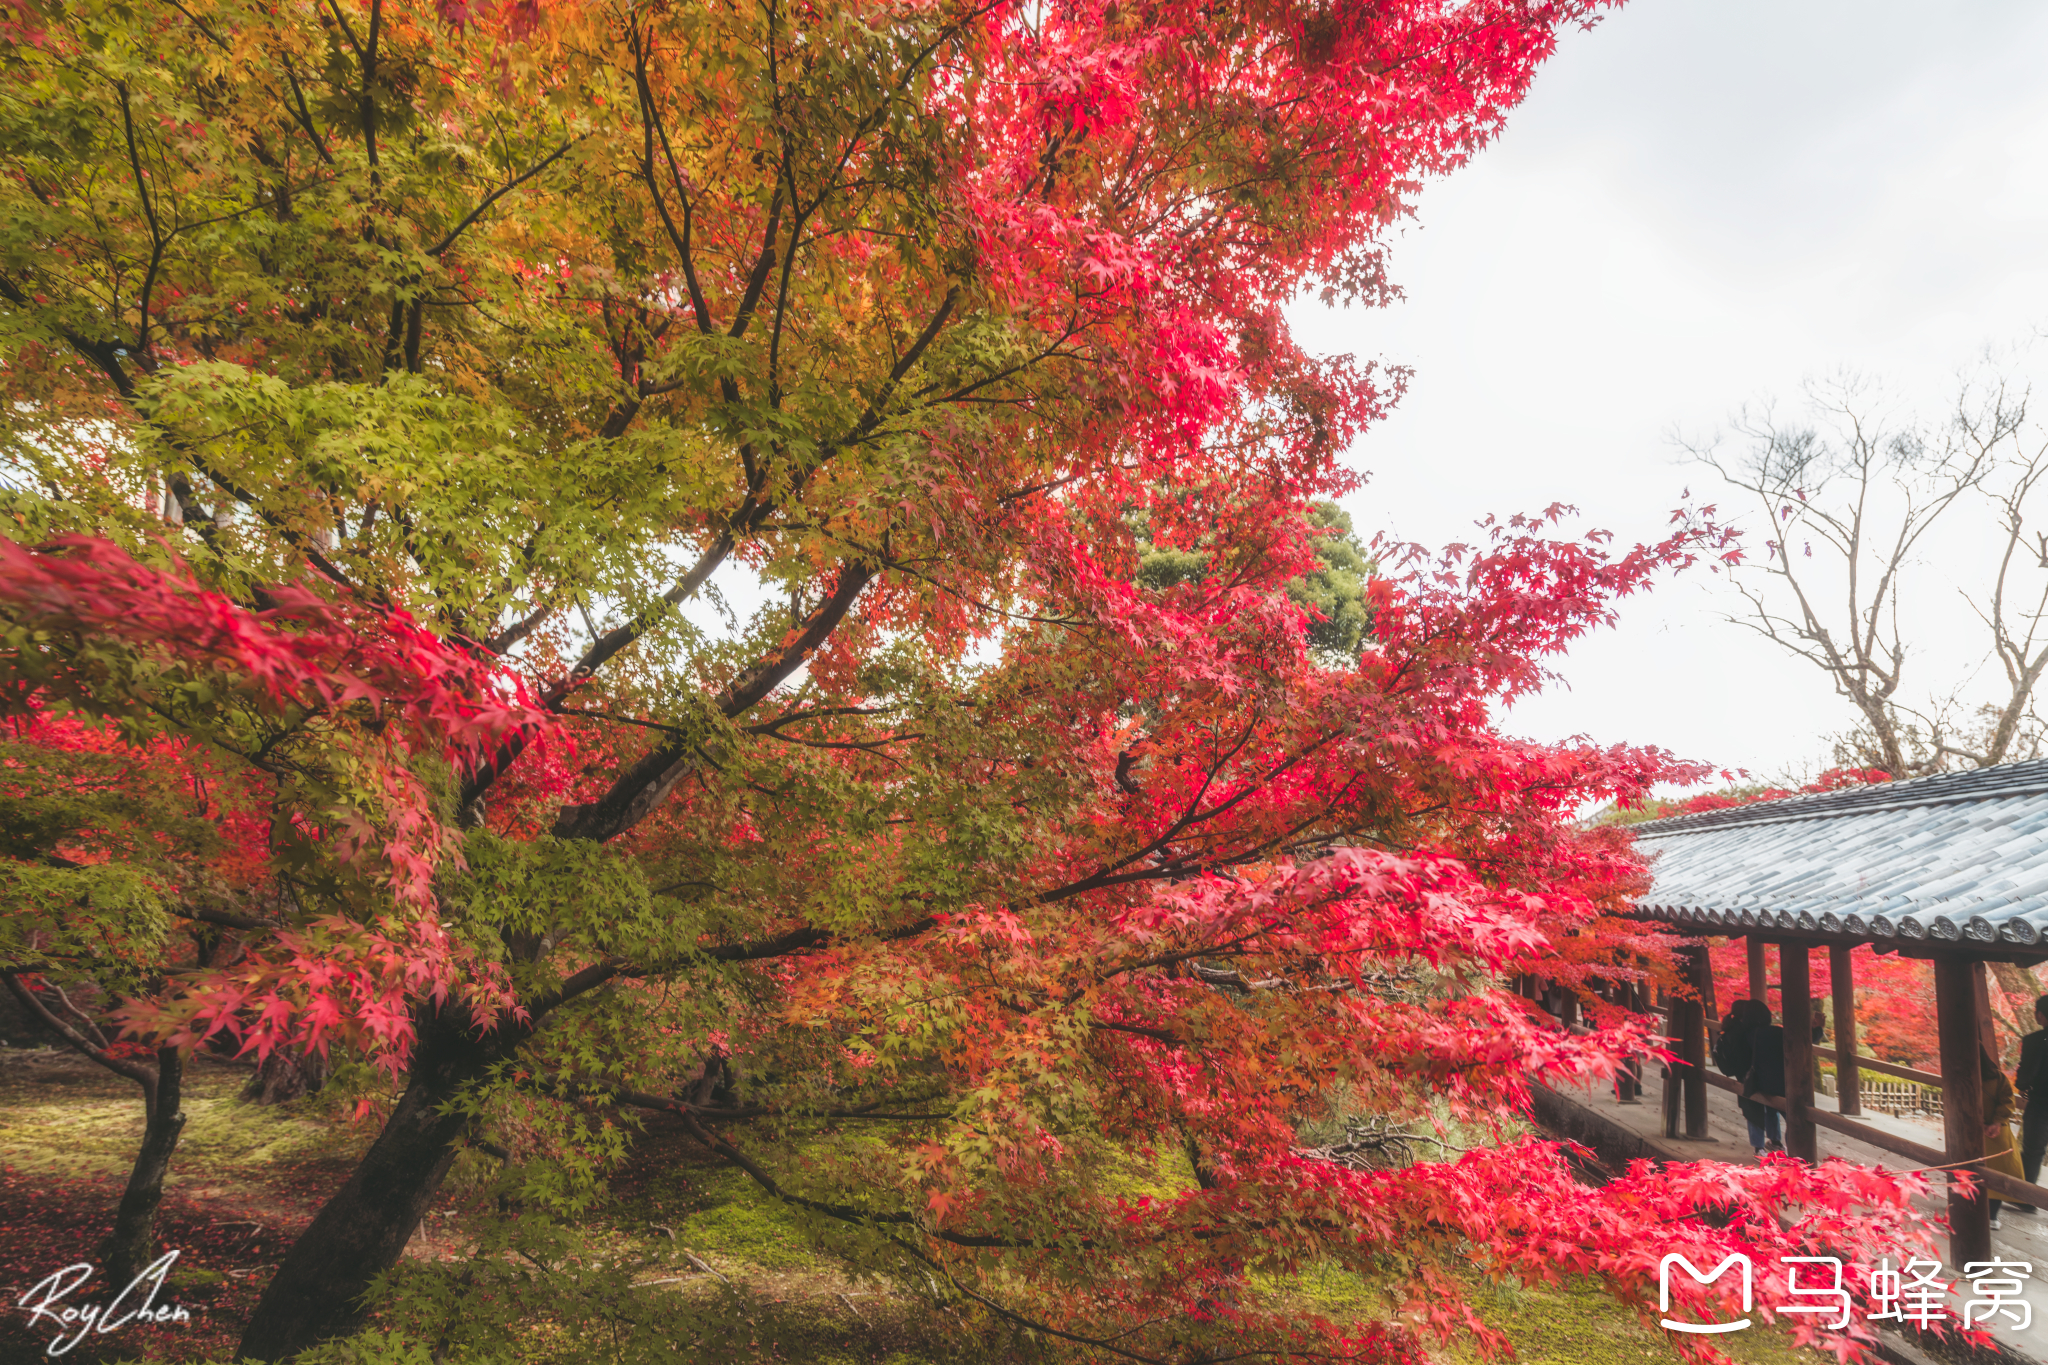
<point>28,1001</point>
<point>642,788</point>
<point>495,195</point>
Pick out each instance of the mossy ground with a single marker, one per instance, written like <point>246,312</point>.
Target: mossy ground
<point>1574,1322</point>
<point>246,1178</point>
<point>754,1240</point>
<point>245,1181</point>
<point>1578,1324</point>
<point>60,1115</point>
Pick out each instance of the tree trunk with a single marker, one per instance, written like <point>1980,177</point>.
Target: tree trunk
<point>317,1293</point>
<point>286,1076</point>
<point>132,1243</point>
<point>127,1248</point>
<point>1891,750</point>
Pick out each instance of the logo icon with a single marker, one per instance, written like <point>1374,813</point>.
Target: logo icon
<point>1664,1291</point>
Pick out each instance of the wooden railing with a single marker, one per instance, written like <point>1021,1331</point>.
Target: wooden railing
<point>1863,1063</point>
<point>1899,1098</point>
<point>1999,1184</point>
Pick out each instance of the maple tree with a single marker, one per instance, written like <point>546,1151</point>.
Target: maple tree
<point>119,832</point>
<point>384,384</point>
<point>93,839</point>
<point>1729,797</point>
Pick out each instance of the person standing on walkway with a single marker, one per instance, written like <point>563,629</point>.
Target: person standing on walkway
<point>2032,1081</point>
<point>1766,1080</point>
<point>1731,1043</point>
<point>1752,1049</point>
<point>1998,1106</point>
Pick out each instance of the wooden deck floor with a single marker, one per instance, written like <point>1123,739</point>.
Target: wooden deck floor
<point>2023,1238</point>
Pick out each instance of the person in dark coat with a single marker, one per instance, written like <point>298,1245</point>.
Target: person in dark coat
<point>1731,1044</point>
<point>1736,1054</point>
<point>1766,1078</point>
<point>2032,1080</point>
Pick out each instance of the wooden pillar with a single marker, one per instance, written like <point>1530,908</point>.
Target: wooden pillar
<point>1759,980</point>
<point>1673,1082</point>
<point>1693,1042</point>
<point>1612,993</point>
<point>1848,1077</point>
<point>1987,1027</point>
<point>1962,1101</point>
<point>1639,1001</point>
<point>1801,1137</point>
<point>1626,1081</point>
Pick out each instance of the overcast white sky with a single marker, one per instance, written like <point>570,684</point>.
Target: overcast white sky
<point>1702,202</point>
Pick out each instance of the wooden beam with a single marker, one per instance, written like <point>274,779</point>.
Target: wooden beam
<point>1930,948</point>
<point>1800,1138</point>
<point>1868,1063</point>
<point>1962,1102</point>
<point>1848,1079</point>
<point>1759,978</point>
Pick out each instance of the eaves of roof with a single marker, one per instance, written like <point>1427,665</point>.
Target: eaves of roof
<point>1957,860</point>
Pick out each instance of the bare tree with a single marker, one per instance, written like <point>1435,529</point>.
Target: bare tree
<point>1853,494</point>
<point>2015,612</point>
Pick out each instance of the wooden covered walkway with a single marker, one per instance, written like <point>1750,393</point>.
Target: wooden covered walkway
<point>1640,1123</point>
<point>1952,869</point>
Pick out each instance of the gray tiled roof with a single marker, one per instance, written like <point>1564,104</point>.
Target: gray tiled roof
<point>1959,856</point>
